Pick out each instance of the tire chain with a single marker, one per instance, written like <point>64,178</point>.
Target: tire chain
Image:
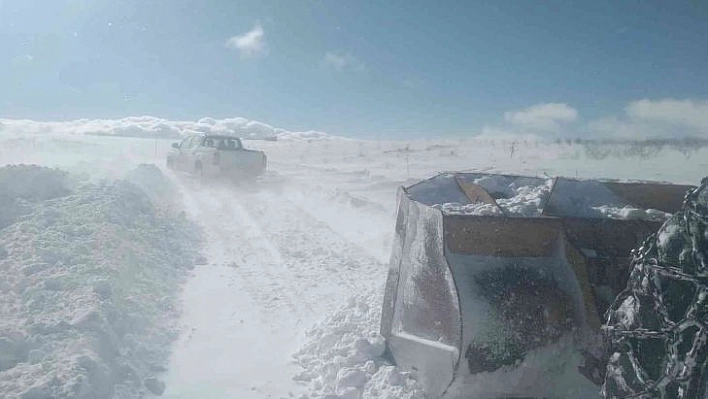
<point>656,331</point>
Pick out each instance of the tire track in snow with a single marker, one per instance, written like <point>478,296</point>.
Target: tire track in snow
<point>238,334</point>
<point>327,266</point>
<point>236,240</point>
<point>274,271</point>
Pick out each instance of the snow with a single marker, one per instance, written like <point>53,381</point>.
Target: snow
<point>592,199</point>
<point>342,357</point>
<point>527,197</point>
<point>628,212</point>
<point>516,196</point>
<point>478,209</point>
<point>89,278</point>
<point>266,310</point>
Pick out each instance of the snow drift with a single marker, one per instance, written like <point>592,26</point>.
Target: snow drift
<point>89,274</point>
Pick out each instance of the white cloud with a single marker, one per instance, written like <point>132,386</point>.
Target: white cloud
<point>250,44</point>
<point>545,117</point>
<point>151,127</point>
<point>691,114</point>
<point>641,119</point>
<point>665,118</point>
<point>341,62</point>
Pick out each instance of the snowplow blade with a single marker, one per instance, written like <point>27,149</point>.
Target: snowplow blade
<point>495,280</point>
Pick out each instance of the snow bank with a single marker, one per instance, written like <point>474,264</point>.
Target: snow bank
<point>151,127</point>
<point>21,186</point>
<point>343,356</point>
<point>154,184</point>
<point>88,278</point>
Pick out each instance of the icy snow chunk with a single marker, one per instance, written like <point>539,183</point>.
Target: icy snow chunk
<point>348,377</point>
<point>515,196</point>
<point>527,201</point>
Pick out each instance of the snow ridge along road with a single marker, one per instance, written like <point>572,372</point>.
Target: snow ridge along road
<point>272,270</point>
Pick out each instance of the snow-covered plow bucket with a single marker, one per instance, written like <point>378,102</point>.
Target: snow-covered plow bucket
<point>496,282</point>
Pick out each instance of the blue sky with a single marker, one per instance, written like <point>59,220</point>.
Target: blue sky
<point>361,68</point>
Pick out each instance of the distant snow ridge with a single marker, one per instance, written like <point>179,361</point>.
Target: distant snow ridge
<point>88,279</point>
<point>342,359</point>
<point>151,127</point>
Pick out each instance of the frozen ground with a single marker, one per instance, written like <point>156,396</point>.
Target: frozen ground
<point>284,299</point>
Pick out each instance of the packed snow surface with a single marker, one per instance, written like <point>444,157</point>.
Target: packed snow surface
<point>97,291</point>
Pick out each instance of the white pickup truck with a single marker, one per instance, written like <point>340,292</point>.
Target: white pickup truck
<point>216,155</point>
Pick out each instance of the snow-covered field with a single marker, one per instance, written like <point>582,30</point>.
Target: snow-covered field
<point>118,276</point>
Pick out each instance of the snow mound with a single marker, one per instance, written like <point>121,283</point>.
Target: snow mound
<point>32,182</point>
<point>88,281</point>
<point>154,184</point>
<point>528,197</point>
<point>23,185</point>
<point>479,209</point>
<point>516,196</point>
<point>593,199</point>
<point>343,356</point>
<point>521,198</point>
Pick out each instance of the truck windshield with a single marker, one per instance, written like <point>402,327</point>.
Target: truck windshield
<point>222,143</point>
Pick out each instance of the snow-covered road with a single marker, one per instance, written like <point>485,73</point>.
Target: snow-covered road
<point>272,270</point>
